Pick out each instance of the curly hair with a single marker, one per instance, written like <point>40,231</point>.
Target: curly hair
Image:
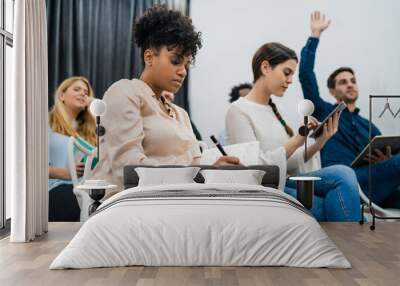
<point>235,91</point>
<point>159,26</point>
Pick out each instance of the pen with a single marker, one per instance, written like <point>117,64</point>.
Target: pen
<point>213,139</point>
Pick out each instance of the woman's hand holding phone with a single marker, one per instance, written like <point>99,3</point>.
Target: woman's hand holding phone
<point>329,129</point>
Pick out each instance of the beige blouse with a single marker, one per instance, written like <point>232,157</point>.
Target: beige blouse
<point>140,131</point>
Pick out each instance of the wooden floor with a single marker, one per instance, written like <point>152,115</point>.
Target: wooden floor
<point>374,255</point>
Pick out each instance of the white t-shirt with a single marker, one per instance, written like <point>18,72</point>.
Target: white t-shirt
<point>247,121</point>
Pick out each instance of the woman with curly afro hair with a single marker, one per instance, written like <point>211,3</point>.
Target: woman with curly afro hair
<point>144,127</point>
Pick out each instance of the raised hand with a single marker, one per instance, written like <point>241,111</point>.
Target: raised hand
<point>318,23</point>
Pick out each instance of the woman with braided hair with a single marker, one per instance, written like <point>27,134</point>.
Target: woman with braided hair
<point>255,117</point>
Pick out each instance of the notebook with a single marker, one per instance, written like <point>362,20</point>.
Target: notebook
<point>378,142</point>
<point>248,153</point>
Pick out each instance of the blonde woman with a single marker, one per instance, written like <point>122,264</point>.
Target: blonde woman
<point>68,117</point>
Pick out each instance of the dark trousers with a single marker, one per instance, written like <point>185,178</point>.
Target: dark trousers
<point>63,205</point>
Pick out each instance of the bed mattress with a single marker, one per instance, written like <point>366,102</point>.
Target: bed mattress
<point>201,225</point>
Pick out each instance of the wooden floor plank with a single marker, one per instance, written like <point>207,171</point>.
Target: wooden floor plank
<point>374,255</point>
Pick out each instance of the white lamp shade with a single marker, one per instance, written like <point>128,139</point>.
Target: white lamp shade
<point>305,107</point>
<point>98,107</point>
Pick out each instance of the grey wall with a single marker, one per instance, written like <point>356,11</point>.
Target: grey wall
<point>363,34</point>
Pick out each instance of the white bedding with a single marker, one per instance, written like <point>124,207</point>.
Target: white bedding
<point>183,231</point>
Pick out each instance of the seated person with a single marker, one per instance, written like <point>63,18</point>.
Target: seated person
<point>353,134</point>
<point>237,91</point>
<point>142,126</point>
<point>256,118</point>
<point>68,117</point>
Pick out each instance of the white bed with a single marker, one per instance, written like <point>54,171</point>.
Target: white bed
<point>201,224</point>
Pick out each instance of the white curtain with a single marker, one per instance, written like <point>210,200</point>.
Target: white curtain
<point>26,116</point>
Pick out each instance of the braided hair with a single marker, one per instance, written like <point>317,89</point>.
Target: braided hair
<point>274,54</point>
<point>288,130</point>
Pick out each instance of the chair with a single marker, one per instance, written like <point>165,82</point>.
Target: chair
<point>78,148</point>
<point>381,211</point>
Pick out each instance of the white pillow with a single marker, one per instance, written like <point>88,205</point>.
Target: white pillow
<point>166,176</point>
<point>248,177</point>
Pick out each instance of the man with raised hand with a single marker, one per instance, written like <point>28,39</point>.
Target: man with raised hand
<point>352,136</point>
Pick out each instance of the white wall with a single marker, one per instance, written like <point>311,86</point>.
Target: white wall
<point>364,34</point>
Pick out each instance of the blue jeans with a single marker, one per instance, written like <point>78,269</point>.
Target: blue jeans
<point>336,196</point>
<point>385,182</point>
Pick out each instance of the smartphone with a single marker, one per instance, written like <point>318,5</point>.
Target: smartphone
<point>318,131</point>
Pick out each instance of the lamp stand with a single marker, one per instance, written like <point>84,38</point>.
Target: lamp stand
<point>305,139</point>
<point>100,131</point>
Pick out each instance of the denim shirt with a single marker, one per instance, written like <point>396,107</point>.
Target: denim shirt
<point>58,156</point>
<point>353,132</point>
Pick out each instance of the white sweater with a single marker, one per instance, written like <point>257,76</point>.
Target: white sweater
<point>247,121</point>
